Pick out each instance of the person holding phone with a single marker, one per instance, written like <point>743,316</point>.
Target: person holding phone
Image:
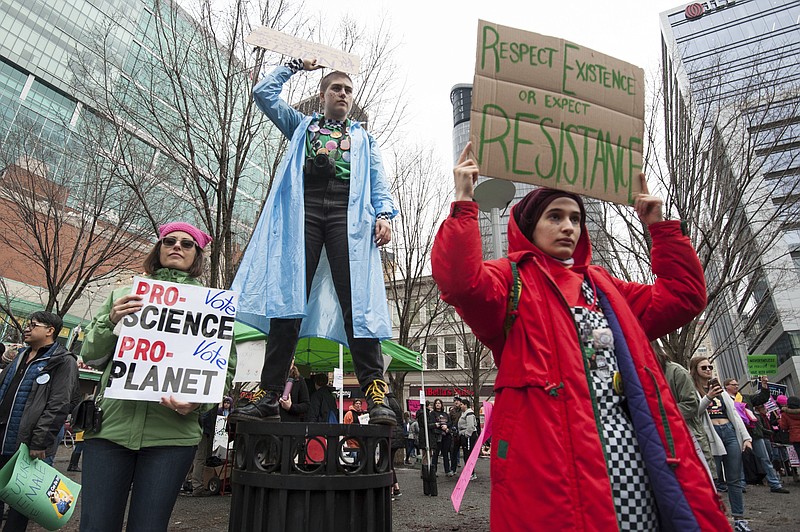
<point>726,433</point>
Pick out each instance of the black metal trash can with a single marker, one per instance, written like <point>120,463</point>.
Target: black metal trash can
<point>293,477</point>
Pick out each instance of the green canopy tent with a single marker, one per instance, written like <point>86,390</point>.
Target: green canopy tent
<point>321,354</point>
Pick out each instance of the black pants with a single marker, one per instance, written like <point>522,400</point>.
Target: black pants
<point>325,224</point>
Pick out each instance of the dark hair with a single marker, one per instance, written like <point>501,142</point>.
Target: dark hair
<point>326,81</point>
<point>728,381</point>
<point>152,261</point>
<point>49,319</point>
<point>321,379</point>
<point>466,402</point>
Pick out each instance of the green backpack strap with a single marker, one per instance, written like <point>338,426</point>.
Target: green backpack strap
<point>513,298</point>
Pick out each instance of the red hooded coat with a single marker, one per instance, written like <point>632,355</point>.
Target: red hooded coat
<point>548,468</point>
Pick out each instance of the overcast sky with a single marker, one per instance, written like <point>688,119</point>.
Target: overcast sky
<point>439,37</point>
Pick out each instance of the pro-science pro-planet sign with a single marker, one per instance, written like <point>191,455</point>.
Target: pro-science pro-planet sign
<point>177,345</point>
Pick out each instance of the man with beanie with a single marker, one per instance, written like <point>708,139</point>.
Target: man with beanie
<point>328,212</point>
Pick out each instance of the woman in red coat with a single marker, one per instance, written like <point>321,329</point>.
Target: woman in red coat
<point>610,449</point>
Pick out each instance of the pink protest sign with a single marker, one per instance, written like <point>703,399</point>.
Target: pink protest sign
<point>463,480</point>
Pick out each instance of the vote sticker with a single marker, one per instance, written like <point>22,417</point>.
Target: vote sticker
<point>44,378</point>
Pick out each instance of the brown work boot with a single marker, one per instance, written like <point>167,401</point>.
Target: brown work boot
<point>379,412</point>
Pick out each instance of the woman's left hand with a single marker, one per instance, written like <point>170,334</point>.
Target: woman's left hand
<point>747,445</point>
<point>286,404</point>
<point>383,232</point>
<point>180,407</point>
<point>647,207</point>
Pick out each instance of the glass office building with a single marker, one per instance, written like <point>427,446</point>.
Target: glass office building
<point>43,49</point>
<point>731,76</point>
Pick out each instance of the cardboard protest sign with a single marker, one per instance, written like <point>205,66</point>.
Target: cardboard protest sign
<point>265,37</point>
<point>178,344</point>
<point>38,490</point>
<point>550,112</point>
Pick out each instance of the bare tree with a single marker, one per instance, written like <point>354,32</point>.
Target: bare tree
<point>67,222</point>
<point>418,188</point>
<point>478,364</point>
<point>187,127</point>
<point>718,164</point>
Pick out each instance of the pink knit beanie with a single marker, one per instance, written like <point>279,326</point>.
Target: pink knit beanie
<point>199,236</point>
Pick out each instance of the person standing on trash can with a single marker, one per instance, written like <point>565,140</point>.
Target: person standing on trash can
<point>331,193</point>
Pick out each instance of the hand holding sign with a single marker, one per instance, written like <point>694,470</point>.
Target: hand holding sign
<point>181,407</point>
<point>124,306</point>
<point>311,64</point>
<point>647,207</point>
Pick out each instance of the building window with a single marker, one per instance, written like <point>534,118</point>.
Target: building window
<point>450,360</point>
<point>432,355</point>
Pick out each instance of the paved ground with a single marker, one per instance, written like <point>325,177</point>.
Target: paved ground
<point>413,512</point>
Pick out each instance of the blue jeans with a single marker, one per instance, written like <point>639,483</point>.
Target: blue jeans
<point>732,462</point>
<point>761,452</point>
<point>109,471</point>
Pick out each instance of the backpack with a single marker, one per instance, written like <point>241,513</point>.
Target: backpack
<point>477,423</point>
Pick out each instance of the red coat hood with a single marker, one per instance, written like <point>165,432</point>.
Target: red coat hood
<point>520,246</point>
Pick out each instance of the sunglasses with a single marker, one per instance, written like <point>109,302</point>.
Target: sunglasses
<point>170,241</point>
<point>706,367</point>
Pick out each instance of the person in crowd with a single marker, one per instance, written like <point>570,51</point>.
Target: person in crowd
<point>143,449</point>
<point>208,426</point>
<point>408,430</point>
<point>331,191</point>
<point>730,431</point>
<point>732,388</point>
<point>323,407</point>
<point>467,431</point>
<point>295,407</point>
<point>353,413</point>
<point>683,390</point>
<point>398,442</point>
<point>37,391</point>
<point>75,456</point>
<point>425,432</point>
<point>352,416</point>
<point>225,406</point>
<point>440,430</point>
<point>455,448</point>
<point>790,421</point>
<point>762,447</point>
<point>413,436</point>
<point>572,341</point>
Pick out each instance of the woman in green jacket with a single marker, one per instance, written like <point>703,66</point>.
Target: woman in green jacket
<point>143,448</point>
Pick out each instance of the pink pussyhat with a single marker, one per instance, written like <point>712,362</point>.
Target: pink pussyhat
<point>199,236</point>
<point>781,400</point>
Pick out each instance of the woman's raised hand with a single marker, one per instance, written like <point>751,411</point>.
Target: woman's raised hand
<point>465,175</point>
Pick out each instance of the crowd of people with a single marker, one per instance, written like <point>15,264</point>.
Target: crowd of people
<point>641,440</point>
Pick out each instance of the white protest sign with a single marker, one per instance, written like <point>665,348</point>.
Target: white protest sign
<point>265,37</point>
<point>177,345</point>
<point>338,378</point>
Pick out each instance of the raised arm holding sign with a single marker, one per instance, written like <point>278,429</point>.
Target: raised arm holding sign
<point>572,340</point>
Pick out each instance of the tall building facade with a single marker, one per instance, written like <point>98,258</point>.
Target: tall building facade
<point>731,78</point>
